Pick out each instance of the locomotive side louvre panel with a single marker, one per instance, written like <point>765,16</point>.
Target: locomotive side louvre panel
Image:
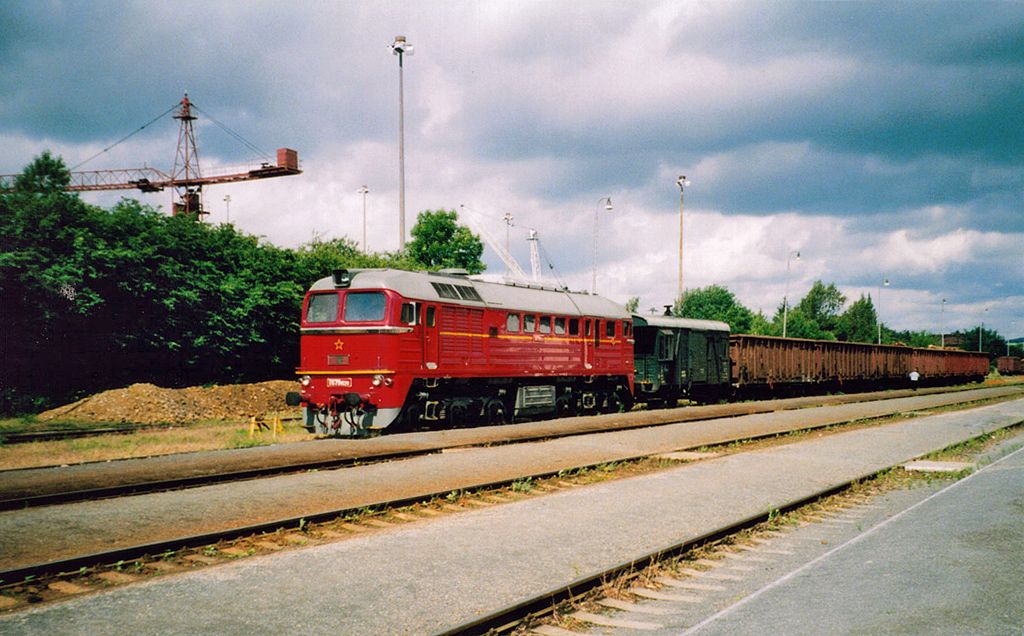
<point>462,335</point>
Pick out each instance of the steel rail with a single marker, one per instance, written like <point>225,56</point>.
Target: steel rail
<point>57,434</point>
<point>131,553</point>
<point>511,616</point>
<point>191,481</point>
<point>123,490</point>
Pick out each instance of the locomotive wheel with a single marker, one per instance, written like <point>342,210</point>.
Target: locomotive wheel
<point>457,415</point>
<point>409,420</point>
<point>623,401</point>
<point>494,412</point>
<point>565,406</point>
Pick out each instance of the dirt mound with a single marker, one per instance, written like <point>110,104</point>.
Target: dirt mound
<point>149,404</point>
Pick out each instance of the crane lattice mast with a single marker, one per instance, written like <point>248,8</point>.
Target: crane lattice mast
<point>185,177</point>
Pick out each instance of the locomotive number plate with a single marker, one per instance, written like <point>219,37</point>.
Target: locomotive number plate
<point>339,382</point>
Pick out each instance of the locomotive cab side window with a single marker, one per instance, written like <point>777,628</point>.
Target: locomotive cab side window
<point>322,308</point>
<point>609,328</point>
<point>559,326</point>
<point>431,316</point>
<point>529,323</point>
<point>408,316</point>
<point>512,323</point>
<point>365,306</point>
<point>574,326</point>
<point>545,324</point>
<point>597,332</point>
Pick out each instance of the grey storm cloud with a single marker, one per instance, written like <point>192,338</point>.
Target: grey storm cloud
<point>878,117</point>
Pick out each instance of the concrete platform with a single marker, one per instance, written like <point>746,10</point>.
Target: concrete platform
<point>433,575</point>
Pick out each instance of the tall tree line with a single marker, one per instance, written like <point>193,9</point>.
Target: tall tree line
<point>94,298</point>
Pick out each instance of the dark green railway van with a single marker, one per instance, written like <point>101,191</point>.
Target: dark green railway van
<point>680,358</point>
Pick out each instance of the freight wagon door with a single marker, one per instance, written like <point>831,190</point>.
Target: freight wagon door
<point>698,354</point>
<point>431,337</point>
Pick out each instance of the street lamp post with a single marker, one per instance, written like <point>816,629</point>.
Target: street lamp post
<point>785,297</point>
<point>364,191</point>
<point>878,311</point>
<point>508,228</point>
<point>682,182</point>
<point>982,327</point>
<point>227,207</point>
<point>401,48</point>
<point>607,206</point>
<point>942,325</point>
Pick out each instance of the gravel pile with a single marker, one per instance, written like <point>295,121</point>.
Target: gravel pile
<point>149,404</point>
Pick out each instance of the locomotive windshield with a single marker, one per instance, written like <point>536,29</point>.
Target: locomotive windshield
<point>322,308</point>
<point>364,306</point>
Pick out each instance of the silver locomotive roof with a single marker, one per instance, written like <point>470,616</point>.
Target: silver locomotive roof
<point>508,296</point>
<point>671,322</point>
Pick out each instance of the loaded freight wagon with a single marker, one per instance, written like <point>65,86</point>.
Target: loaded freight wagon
<point>767,364</point>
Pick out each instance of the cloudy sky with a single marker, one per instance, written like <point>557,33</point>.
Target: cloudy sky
<point>880,140</point>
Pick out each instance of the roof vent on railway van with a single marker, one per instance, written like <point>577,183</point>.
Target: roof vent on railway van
<point>453,271</point>
<point>342,278</point>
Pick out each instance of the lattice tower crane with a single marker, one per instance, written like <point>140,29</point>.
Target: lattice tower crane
<point>185,178</point>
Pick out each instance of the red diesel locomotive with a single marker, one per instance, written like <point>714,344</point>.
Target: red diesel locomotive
<point>384,348</point>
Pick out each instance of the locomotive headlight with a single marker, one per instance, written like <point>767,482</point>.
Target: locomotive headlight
<point>378,380</point>
<point>305,381</point>
<point>387,381</point>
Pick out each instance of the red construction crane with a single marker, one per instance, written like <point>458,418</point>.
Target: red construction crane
<point>186,177</point>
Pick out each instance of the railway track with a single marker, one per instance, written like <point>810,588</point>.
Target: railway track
<point>88,558</point>
<point>25,488</point>
<point>949,429</point>
<point>58,433</point>
<point>767,529</point>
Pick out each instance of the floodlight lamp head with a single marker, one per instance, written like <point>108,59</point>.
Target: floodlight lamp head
<point>400,46</point>
<point>682,182</point>
<point>363,190</point>
<point>608,204</point>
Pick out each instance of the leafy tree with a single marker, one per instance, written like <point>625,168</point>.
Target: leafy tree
<point>632,304</point>
<point>319,258</point>
<point>714,302</point>
<point>992,342</point>
<point>438,241</point>
<point>822,305</point>
<point>761,326</point>
<point>799,325</point>
<point>859,322</point>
